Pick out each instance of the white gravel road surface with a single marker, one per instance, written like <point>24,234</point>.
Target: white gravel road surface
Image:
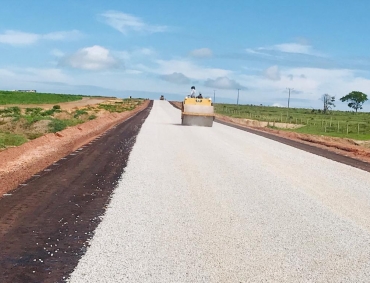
<point>218,204</point>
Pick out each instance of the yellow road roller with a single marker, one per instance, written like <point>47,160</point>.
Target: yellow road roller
<point>197,112</point>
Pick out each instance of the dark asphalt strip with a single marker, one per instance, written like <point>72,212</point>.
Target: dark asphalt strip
<point>45,223</point>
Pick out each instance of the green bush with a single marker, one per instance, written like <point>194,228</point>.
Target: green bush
<point>57,125</point>
<point>33,119</point>
<point>48,112</point>
<point>33,136</point>
<point>8,139</point>
<point>10,112</point>
<point>78,113</point>
<point>33,111</point>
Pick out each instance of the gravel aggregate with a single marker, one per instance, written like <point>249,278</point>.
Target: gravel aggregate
<point>218,204</point>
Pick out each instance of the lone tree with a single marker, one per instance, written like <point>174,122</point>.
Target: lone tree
<point>356,99</point>
<point>328,102</point>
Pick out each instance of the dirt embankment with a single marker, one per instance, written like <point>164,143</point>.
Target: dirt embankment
<point>342,146</point>
<point>19,163</point>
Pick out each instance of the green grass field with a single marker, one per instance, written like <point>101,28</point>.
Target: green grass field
<point>12,97</point>
<point>345,124</point>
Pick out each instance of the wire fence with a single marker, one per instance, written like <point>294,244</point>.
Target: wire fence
<point>283,120</point>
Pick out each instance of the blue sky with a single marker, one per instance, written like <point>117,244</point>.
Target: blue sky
<point>147,48</point>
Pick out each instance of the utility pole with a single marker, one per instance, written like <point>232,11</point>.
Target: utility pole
<point>237,101</point>
<point>214,96</point>
<point>287,114</point>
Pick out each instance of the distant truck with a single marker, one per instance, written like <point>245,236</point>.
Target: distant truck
<point>162,97</point>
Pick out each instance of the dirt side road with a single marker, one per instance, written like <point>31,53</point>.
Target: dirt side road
<point>45,225</point>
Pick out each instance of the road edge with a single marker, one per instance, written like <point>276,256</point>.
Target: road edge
<point>311,148</point>
<point>15,171</point>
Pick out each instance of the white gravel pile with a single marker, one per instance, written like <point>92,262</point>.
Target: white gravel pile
<point>221,205</point>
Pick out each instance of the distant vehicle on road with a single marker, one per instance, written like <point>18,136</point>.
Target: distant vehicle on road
<point>162,97</point>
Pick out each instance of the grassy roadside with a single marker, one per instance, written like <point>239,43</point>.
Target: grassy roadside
<point>11,97</point>
<point>343,124</point>
<point>19,125</point>
<point>9,139</point>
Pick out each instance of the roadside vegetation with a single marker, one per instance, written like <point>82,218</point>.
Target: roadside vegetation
<point>20,124</point>
<point>121,106</point>
<point>15,97</point>
<point>345,124</point>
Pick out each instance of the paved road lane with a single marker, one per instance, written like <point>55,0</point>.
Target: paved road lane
<point>222,205</point>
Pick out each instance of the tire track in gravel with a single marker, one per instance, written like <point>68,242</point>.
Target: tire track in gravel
<point>46,222</point>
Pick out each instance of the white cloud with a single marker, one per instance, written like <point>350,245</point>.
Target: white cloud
<point>187,68</point>
<point>27,75</point>
<point>146,51</point>
<point>272,73</point>
<point>223,83</point>
<point>23,38</point>
<point>277,105</point>
<point>177,78</point>
<point>133,72</point>
<point>91,58</point>
<point>126,22</point>
<point>46,74</point>
<point>62,35</point>
<point>18,38</point>
<point>57,53</point>
<point>254,52</point>
<point>309,84</point>
<point>296,48</point>
<point>201,53</point>
<point>125,55</point>
<point>136,53</point>
<point>7,73</point>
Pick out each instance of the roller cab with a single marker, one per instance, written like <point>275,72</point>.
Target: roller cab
<point>197,112</point>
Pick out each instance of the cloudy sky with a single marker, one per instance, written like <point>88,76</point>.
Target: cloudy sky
<point>147,48</point>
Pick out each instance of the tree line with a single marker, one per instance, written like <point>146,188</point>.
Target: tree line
<point>355,100</point>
